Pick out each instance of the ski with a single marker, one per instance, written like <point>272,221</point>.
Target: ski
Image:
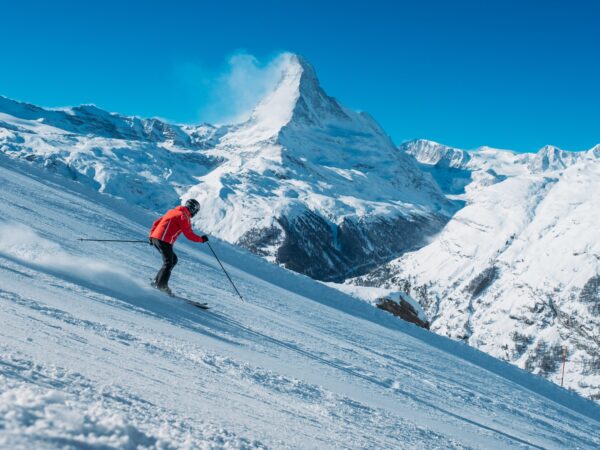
<point>200,305</point>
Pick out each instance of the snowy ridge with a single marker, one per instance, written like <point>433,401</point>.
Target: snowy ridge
<point>506,162</point>
<point>91,120</point>
<point>93,357</point>
<point>147,168</point>
<point>515,272</point>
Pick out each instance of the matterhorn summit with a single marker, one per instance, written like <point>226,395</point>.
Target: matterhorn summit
<point>296,99</point>
<point>315,186</point>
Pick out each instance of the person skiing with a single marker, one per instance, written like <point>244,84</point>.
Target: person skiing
<point>163,234</point>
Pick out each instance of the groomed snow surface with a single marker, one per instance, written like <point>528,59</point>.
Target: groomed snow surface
<point>90,357</point>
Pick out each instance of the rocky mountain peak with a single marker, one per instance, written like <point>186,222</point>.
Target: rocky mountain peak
<point>297,99</point>
<point>550,157</point>
<point>433,153</point>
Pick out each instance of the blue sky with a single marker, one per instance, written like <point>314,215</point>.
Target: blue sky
<point>508,74</point>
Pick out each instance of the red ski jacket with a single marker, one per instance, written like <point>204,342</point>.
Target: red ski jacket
<point>172,224</point>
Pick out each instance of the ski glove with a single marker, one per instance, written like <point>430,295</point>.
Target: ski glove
<point>204,238</point>
<point>150,241</point>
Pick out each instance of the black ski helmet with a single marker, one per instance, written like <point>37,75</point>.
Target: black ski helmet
<point>193,206</point>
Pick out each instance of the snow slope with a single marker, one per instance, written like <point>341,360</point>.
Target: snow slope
<point>90,357</point>
<point>516,272</point>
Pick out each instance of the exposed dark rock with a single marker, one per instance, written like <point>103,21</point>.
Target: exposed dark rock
<point>482,281</point>
<point>544,359</point>
<point>258,239</point>
<point>590,294</point>
<point>388,277</point>
<point>402,309</point>
<point>522,342</point>
<point>309,244</point>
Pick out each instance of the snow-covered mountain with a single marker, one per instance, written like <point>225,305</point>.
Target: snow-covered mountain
<point>315,186</point>
<point>516,272</point>
<point>145,161</point>
<point>304,181</point>
<point>91,357</point>
<point>322,190</point>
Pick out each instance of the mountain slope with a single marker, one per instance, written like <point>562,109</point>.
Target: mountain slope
<point>91,356</point>
<point>514,273</point>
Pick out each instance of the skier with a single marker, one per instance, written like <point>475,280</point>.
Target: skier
<point>165,232</point>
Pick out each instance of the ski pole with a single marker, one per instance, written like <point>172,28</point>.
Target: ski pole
<point>112,240</point>
<point>219,261</point>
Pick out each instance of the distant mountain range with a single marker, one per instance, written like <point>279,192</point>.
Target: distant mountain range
<point>500,248</point>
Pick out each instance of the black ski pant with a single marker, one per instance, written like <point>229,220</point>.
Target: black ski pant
<point>169,261</point>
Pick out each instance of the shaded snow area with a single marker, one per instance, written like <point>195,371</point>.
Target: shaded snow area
<point>91,357</point>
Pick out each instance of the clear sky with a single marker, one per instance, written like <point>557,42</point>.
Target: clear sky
<point>509,74</point>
